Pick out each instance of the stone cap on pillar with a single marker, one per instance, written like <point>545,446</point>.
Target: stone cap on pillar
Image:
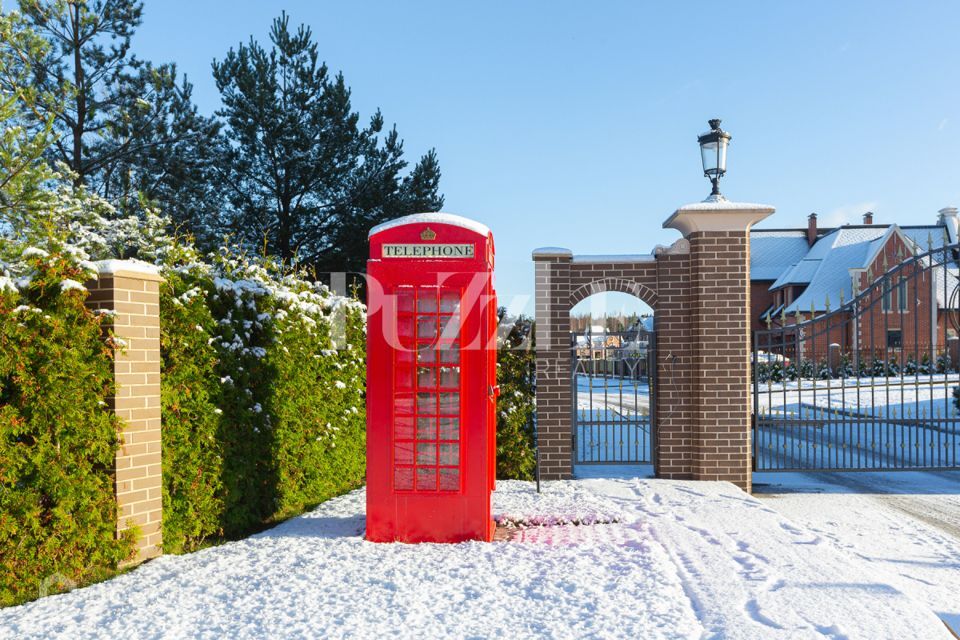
<point>717,214</point>
<point>129,269</point>
<point>544,253</point>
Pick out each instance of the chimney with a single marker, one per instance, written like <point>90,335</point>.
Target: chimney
<point>868,217</point>
<point>811,229</point>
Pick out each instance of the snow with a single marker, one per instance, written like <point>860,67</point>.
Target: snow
<point>905,524</point>
<point>34,252</point>
<point>436,218</point>
<point>826,268</point>
<point>110,267</point>
<point>772,252</point>
<point>686,560</point>
<point>548,252</point>
<point>71,285</point>
<point>722,204</point>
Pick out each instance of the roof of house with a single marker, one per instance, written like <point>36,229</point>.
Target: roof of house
<point>772,251</point>
<point>775,252</point>
<point>826,267</point>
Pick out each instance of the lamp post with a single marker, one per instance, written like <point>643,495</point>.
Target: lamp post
<point>713,152</point>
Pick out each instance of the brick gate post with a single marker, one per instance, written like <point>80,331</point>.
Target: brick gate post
<point>131,290</point>
<point>718,232</point>
<point>554,393</point>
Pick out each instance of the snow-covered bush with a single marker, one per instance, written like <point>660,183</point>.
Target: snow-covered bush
<point>263,396</point>
<point>262,370</point>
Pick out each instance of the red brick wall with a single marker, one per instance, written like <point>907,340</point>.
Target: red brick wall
<point>720,277</point>
<point>760,300</point>
<point>675,392</point>
<point>701,297</point>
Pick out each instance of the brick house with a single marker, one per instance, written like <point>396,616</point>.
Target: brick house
<point>799,272</point>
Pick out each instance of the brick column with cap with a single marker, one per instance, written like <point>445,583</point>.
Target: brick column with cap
<point>131,291</point>
<point>718,232</point>
<point>554,375</point>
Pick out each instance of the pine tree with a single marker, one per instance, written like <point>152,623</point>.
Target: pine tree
<point>305,180</point>
<point>129,128</point>
<point>25,132</point>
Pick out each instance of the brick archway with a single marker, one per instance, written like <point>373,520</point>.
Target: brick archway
<point>615,284</point>
<point>699,290</point>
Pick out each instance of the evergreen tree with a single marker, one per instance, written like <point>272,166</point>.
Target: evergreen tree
<point>26,133</point>
<point>129,127</point>
<point>305,180</point>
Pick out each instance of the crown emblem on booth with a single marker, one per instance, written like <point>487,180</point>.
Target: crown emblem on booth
<point>428,234</point>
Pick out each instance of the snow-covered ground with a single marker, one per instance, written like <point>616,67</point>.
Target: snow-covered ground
<point>905,524</point>
<point>671,560</point>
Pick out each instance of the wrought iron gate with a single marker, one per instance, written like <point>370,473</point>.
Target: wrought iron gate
<point>613,389</point>
<point>873,383</point>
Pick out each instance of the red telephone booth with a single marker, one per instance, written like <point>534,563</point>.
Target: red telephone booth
<point>431,380</point>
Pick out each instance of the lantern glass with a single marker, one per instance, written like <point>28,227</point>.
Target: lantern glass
<point>714,155</point>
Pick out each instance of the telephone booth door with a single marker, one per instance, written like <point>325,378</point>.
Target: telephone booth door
<point>431,382</point>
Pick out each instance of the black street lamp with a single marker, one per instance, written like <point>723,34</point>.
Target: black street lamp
<point>713,152</point>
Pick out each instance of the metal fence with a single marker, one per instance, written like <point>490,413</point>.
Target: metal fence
<point>870,384</point>
<point>613,387</point>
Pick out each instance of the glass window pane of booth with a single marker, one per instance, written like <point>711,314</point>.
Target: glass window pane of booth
<point>431,371</point>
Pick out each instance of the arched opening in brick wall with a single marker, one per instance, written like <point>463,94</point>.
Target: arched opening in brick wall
<point>613,349</point>
<point>699,288</point>
<point>566,373</point>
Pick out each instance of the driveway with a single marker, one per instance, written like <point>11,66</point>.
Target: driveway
<point>905,523</point>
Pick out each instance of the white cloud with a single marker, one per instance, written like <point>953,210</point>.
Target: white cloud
<point>848,213</point>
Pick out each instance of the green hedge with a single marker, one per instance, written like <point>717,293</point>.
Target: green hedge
<point>57,440</point>
<point>262,397</point>
<point>516,458</point>
<point>263,414</point>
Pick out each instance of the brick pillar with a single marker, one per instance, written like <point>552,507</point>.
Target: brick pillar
<point>554,376</point>
<point>718,232</point>
<point>674,388</point>
<point>132,291</point>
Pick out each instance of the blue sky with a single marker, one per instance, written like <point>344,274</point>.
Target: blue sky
<point>574,124</point>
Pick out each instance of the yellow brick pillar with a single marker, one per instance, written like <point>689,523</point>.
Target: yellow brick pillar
<point>131,291</point>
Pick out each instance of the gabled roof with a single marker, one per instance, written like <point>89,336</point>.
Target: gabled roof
<point>773,251</point>
<point>826,268</point>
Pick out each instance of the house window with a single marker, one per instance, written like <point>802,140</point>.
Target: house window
<point>887,295</point>
<point>894,339</point>
<point>902,295</point>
